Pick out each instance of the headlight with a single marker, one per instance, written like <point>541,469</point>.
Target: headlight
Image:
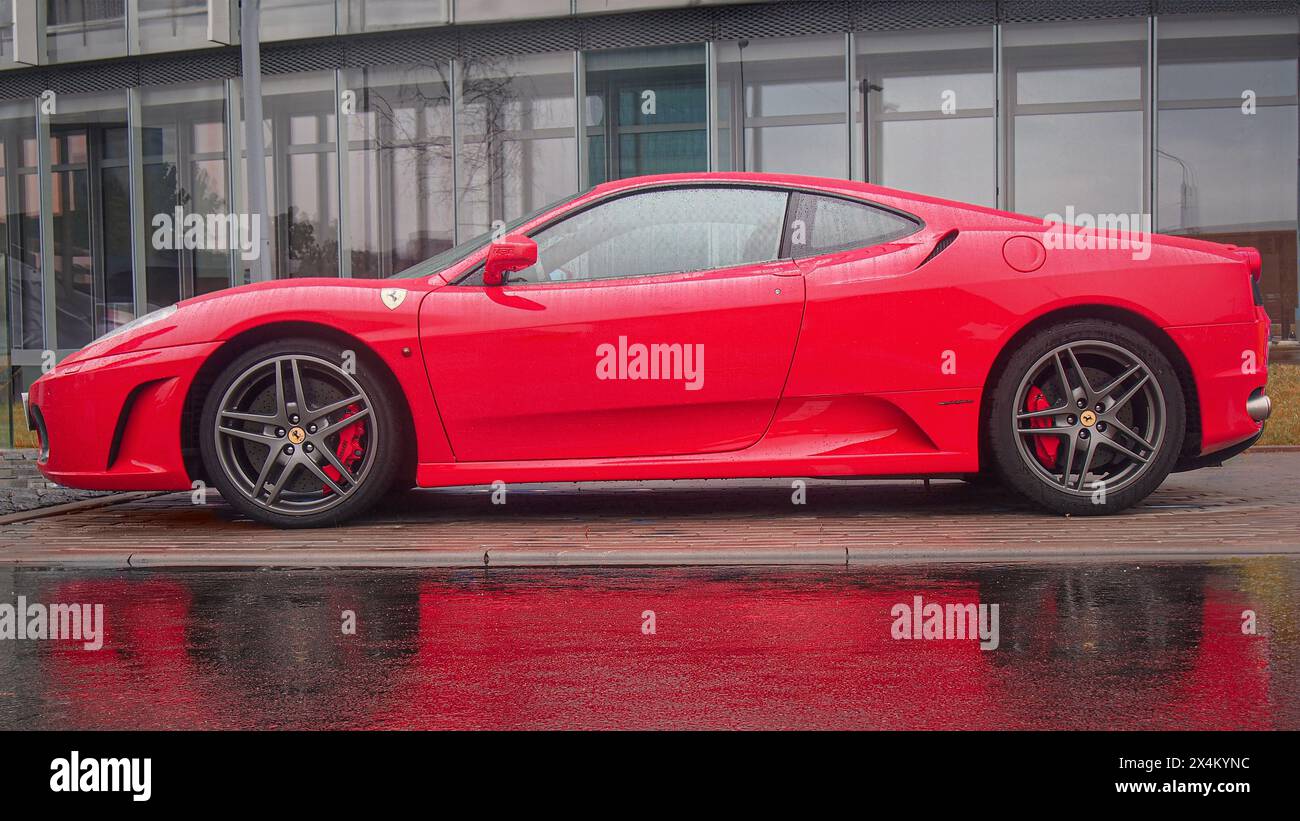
<point>147,319</point>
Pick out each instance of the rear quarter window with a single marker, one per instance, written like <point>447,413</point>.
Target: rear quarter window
<point>823,224</point>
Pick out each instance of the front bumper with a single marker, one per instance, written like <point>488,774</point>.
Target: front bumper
<point>114,422</point>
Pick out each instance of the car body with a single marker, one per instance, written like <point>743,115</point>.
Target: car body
<point>829,342</point>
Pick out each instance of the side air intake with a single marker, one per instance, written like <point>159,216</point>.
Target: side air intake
<point>944,242</point>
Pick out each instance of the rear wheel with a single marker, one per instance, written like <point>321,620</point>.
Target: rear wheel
<point>1087,418</point>
<point>293,438</point>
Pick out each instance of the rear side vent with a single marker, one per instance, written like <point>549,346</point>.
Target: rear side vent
<point>944,242</point>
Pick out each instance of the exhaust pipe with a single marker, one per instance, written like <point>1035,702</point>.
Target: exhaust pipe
<point>1259,406</point>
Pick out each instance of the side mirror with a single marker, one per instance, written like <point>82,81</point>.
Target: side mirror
<point>513,252</point>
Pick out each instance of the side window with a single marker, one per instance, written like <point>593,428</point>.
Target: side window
<point>824,224</point>
<point>661,232</point>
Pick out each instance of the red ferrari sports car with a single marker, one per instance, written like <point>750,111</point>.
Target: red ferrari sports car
<point>686,327</point>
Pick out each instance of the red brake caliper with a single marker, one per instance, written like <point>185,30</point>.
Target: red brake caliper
<point>1045,447</point>
<point>348,450</point>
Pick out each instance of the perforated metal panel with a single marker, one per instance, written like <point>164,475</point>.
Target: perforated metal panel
<point>26,84</point>
<point>789,18</point>
<point>217,64</point>
<point>876,15</point>
<point>91,77</point>
<point>1227,6</point>
<point>86,12</point>
<point>1037,11</point>
<point>563,34</point>
<point>290,58</point>
<point>422,49</point>
<point>694,25</point>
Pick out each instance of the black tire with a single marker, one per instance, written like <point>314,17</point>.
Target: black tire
<point>271,428</point>
<point>1128,432</point>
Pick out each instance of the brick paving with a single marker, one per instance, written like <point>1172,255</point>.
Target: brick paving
<point>1249,507</point>
<point>22,487</point>
<point>17,500</point>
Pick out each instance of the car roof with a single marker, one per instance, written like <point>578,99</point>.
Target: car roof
<point>896,198</point>
<point>750,177</point>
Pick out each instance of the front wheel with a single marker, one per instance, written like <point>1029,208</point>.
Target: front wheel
<point>300,433</point>
<point>1087,418</point>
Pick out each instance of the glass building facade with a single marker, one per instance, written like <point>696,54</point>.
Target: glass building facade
<point>395,128</point>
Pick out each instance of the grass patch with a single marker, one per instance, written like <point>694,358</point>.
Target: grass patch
<point>1283,426</point>
<point>23,438</point>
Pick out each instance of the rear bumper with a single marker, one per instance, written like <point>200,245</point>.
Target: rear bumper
<point>1218,457</point>
<point>114,422</point>
<point>1231,372</point>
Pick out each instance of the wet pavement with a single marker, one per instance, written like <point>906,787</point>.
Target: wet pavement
<point>1120,644</point>
<point>1251,506</point>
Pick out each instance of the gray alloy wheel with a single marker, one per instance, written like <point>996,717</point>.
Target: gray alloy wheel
<point>1106,411</point>
<point>292,438</point>
<point>1086,418</point>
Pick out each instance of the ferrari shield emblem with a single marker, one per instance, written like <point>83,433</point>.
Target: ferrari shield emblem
<point>392,297</point>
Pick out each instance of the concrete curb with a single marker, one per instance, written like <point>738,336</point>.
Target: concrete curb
<point>306,558</point>
<point>223,559</point>
<point>873,556</point>
<point>1274,449</point>
<point>618,557</point>
<point>623,557</point>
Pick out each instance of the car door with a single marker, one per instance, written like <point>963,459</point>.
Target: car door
<point>865,327</point>
<point>657,322</point>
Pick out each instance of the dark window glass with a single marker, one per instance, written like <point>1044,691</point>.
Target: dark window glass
<point>84,29</point>
<point>399,158</point>
<point>1227,140</point>
<point>515,137</point>
<point>661,232</point>
<point>778,97</point>
<point>119,289</point>
<point>927,97</point>
<point>646,111</point>
<point>1075,94</point>
<point>172,25</point>
<point>182,136</point>
<point>302,178</point>
<point>824,224</point>
<point>455,254</point>
<point>20,223</point>
<point>90,217</point>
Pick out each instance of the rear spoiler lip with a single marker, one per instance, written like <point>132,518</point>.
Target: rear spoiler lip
<point>1250,256</point>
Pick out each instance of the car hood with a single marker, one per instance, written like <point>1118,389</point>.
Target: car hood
<point>347,305</point>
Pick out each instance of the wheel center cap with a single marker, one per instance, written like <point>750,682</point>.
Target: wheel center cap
<point>296,435</point>
<point>1088,418</point>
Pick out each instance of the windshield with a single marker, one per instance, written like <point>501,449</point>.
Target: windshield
<point>456,253</point>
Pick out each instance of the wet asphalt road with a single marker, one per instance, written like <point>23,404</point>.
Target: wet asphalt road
<point>1098,645</point>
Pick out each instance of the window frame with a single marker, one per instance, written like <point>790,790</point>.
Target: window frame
<point>793,192</point>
